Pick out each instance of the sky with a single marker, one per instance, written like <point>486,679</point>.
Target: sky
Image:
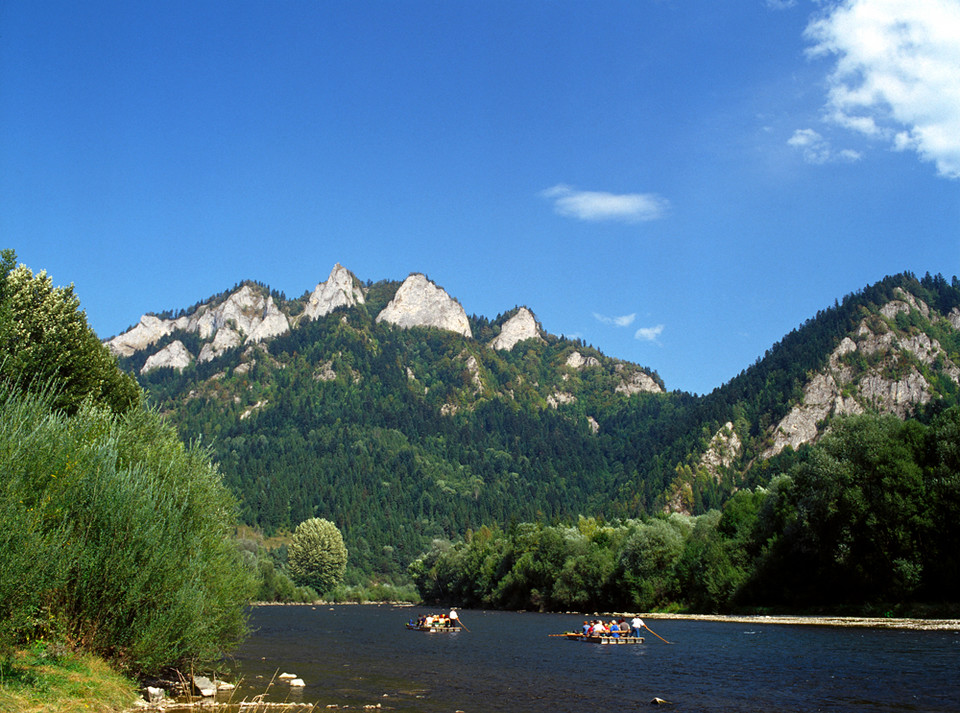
<point>678,183</point>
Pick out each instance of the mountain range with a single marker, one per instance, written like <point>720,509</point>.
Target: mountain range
<point>387,409</point>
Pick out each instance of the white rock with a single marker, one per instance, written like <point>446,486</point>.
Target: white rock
<point>339,290</point>
<point>954,317</point>
<point>225,338</point>
<point>577,361</point>
<point>172,356</point>
<point>149,330</point>
<point>420,303</point>
<point>297,683</point>
<point>287,676</point>
<point>638,382</point>
<point>723,449</point>
<point>520,327</point>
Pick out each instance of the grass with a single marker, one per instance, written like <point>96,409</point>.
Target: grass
<point>48,679</point>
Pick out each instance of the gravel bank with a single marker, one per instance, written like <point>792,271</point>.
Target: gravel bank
<point>876,623</point>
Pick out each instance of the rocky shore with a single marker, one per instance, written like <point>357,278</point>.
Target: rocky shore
<point>851,621</point>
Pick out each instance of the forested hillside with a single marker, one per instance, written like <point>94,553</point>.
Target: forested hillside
<point>403,435</point>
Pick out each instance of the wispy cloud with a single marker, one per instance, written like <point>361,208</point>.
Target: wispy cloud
<point>598,205</point>
<point>624,321</point>
<point>817,149</point>
<point>897,73</point>
<point>649,334</point>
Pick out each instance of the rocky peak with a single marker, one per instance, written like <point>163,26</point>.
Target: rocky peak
<point>252,314</point>
<point>247,314</point>
<point>172,356</point>
<point>724,448</point>
<point>886,385</point>
<point>147,331</point>
<point>635,381</point>
<point>340,290</point>
<point>420,303</point>
<point>521,326</point>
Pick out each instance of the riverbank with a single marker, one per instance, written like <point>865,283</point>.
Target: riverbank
<point>815,620</point>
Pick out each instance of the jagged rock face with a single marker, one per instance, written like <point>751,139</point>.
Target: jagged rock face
<point>253,315</point>
<point>473,368</point>
<point>520,327</point>
<point>420,303</point>
<point>149,330</point>
<point>724,448</point>
<point>225,338</point>
<point>904,304</point>
<point>577,361</point>
<point>340,290</point>
<point>172,356</point>
<point>636,382</point>
<point>247,312</point>
<point>954,317</point>
<point>874,388</point>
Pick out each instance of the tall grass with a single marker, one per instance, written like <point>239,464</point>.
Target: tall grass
<point>114,536</point>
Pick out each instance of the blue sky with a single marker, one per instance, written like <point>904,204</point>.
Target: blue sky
<point>677,182</point>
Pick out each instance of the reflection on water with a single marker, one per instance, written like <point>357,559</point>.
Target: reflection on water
<point>360,656</point>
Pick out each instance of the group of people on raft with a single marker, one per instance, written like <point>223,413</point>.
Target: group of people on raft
<point>439,621</point>
<point>615,628</point>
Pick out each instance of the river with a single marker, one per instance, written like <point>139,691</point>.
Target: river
<point>356,656</point>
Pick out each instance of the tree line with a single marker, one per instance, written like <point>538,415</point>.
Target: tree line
<point>866,519</point>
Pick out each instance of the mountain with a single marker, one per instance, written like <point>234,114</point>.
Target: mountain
<point>386,409</point>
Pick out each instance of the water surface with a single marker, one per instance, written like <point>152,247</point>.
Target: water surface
<point>363,655</point>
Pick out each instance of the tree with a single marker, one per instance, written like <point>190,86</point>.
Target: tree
<point>45,340</point>
<point>317,556</point>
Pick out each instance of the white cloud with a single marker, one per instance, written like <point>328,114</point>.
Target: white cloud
<point>817,149</point>
<point>597,205</point>
<point>624,321</point>
<point>897,73</point>
<point>649,334</point>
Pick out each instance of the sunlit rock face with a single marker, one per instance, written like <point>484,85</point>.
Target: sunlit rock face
<point>246,317</point>
<point>172,356</point>
<point>339,290</point>
<point>885,385</point>
<point>635,381</point>
<point>520,327</point>
<point>149,330</point>
<point>420,303</point>
<point>252,314</point>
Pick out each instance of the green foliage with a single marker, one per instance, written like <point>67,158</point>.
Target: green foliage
<point>114,536</point>
<point>387,433</point>
<point>45,340</point>
<point>317,556</point>
<point>866,517</point>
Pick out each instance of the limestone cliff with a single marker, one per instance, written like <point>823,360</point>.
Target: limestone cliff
<point>724,448</point>
<point>172,356</point>
<point>341,289</point>
<point>879,368</point>
<point>420,303</point>
<point>246,316</point>
<point>520,327</point>
<point>635,381</point>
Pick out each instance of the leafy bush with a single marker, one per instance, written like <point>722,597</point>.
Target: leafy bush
<point>115,536</point>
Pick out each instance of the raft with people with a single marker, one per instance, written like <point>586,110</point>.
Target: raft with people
<point>436,623</point>
<point>616,632</point>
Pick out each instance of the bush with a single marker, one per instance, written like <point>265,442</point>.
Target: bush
<point>115,536</point>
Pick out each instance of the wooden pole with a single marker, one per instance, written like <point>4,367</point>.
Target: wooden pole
<point>655,634</point>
